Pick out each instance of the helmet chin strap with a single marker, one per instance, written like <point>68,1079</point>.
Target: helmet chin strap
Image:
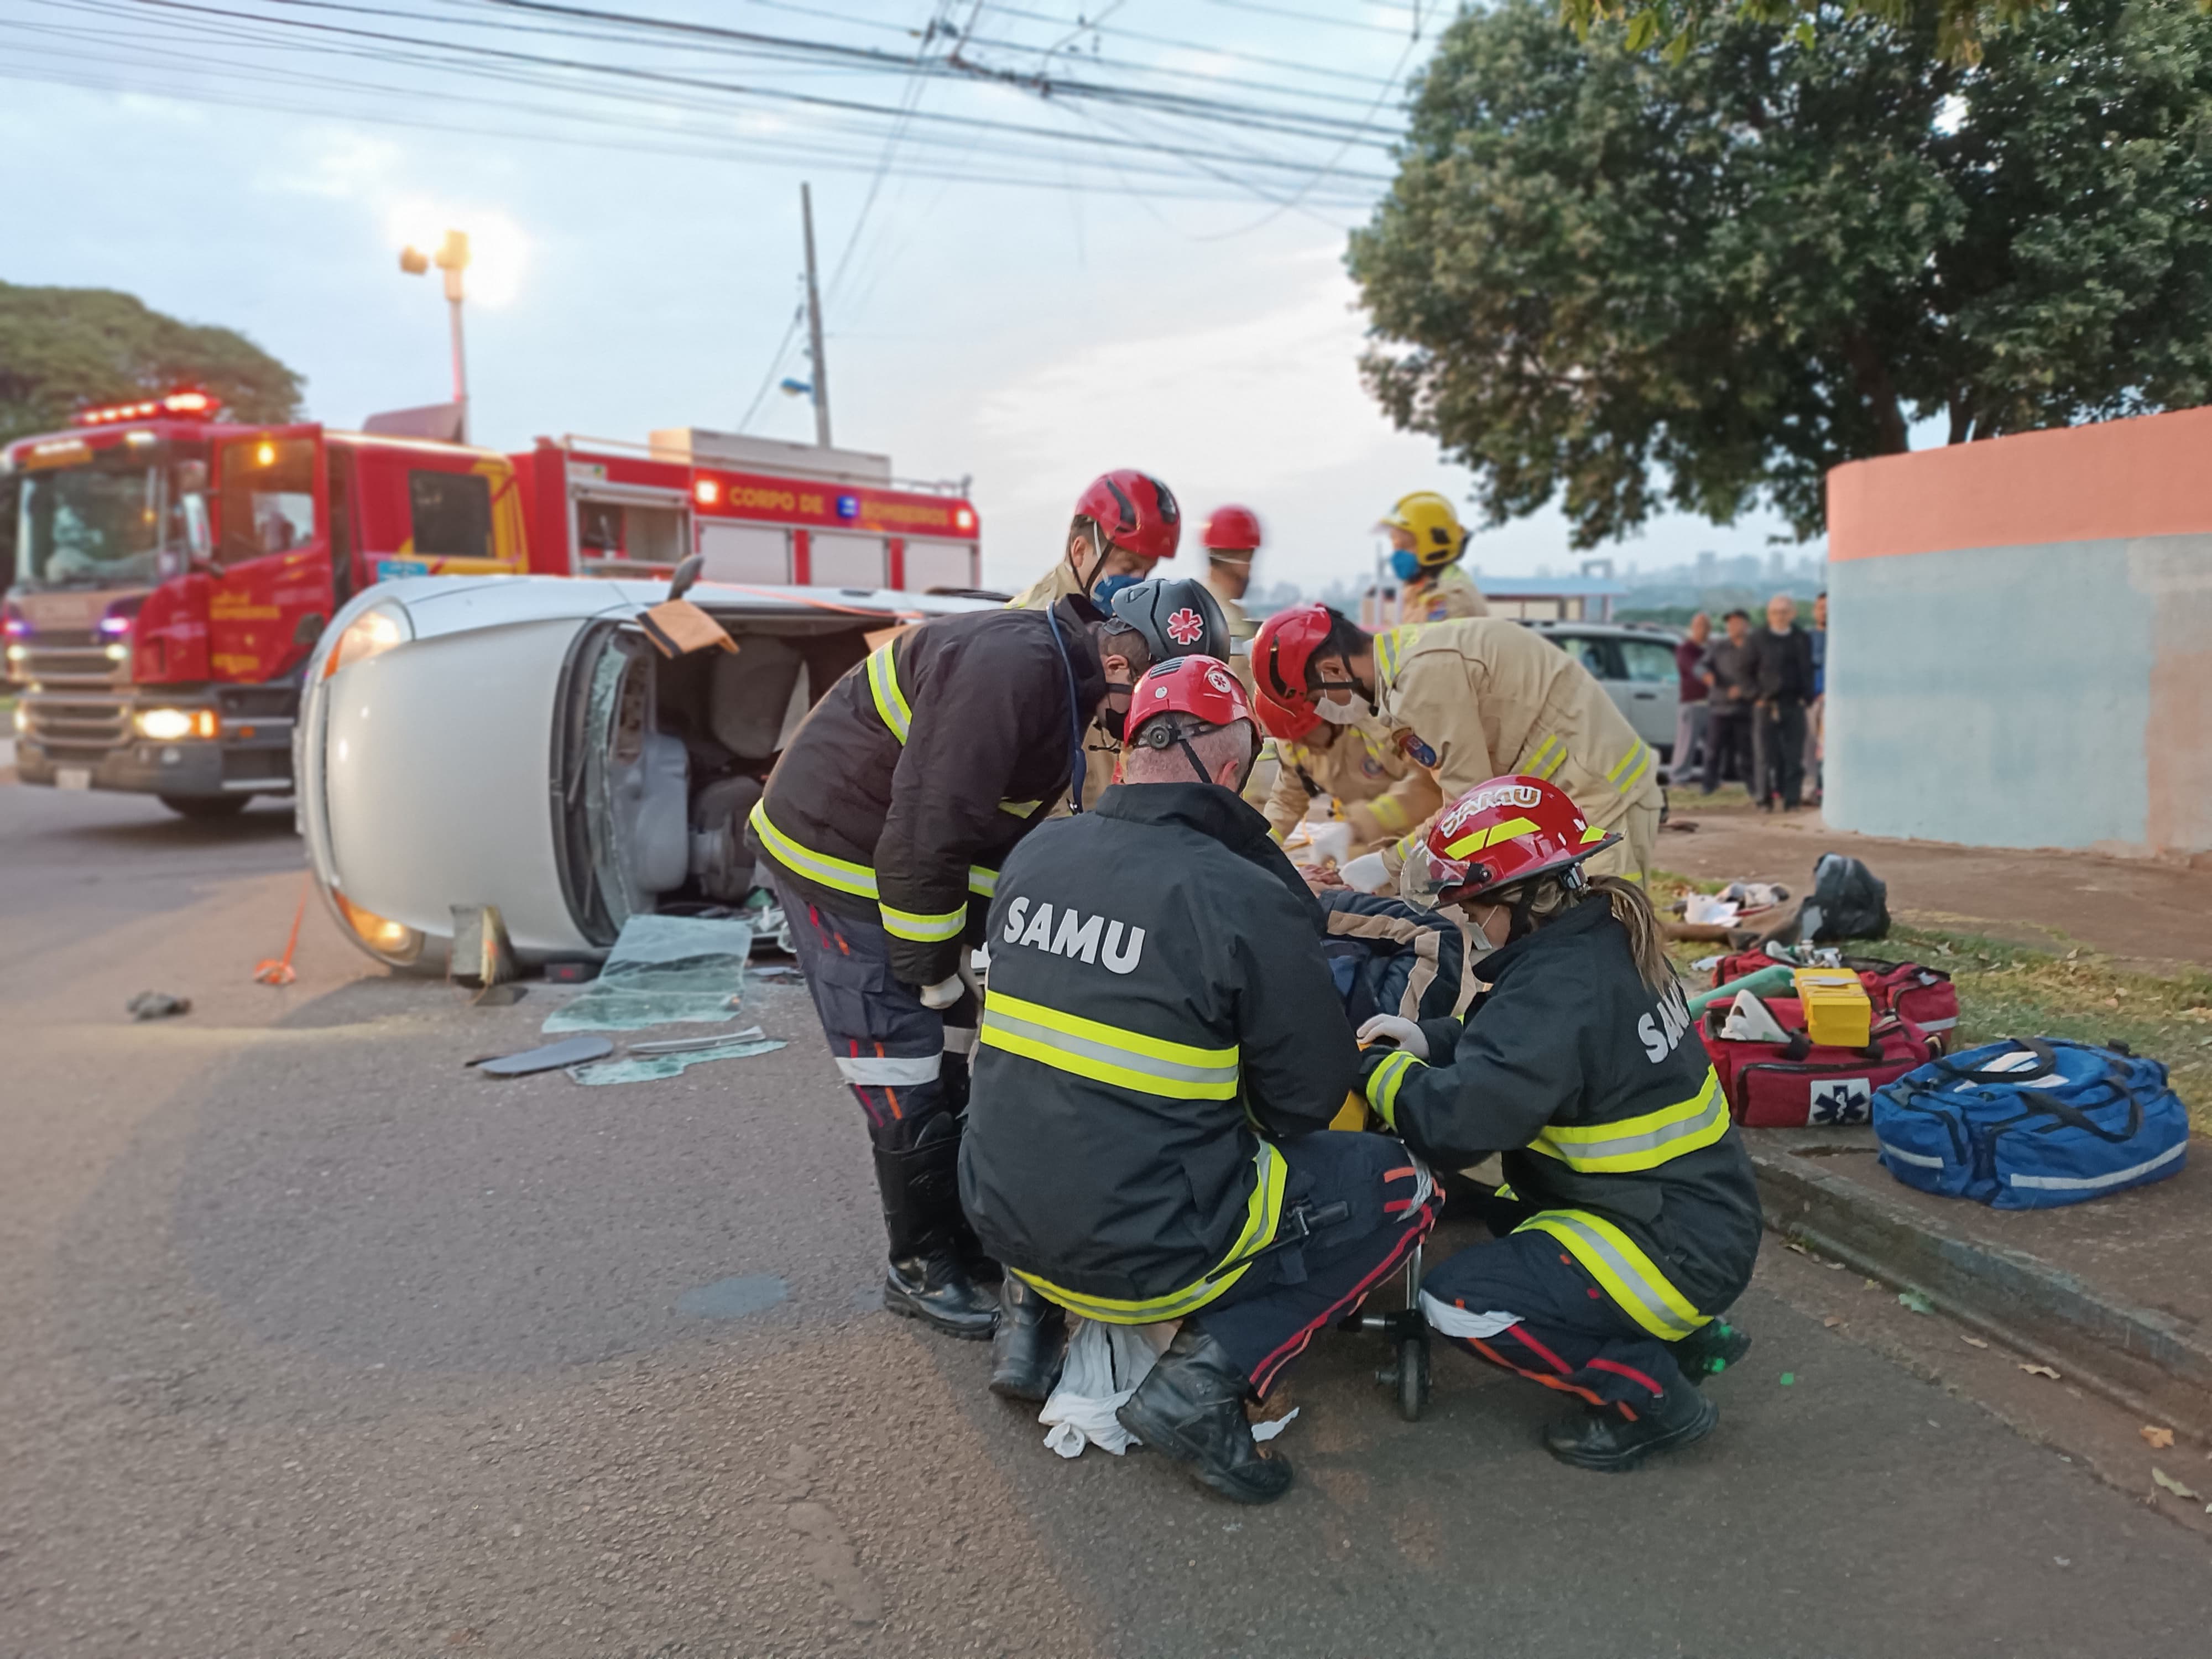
<point>1098,560</point>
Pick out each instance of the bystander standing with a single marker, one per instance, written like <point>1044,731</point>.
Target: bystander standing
<point>1782,654</point>
<point>1731,676</point>
<point>1816,715</point>
<point>1690,715</point>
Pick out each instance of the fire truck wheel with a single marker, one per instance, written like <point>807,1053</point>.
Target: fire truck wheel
<point>206,806</point>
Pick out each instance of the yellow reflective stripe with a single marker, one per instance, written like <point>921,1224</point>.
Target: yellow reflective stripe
<point>1389,647</point>
<point>882,685</point>
<point>1641,755</point>
<point>1645,1142</point>
<point>1389,811</point>
<point>1490,836</point>
<point>1505,1190</point>
<point>927,929</point>
<point>982,881</point>
<point>1547,758</point>
<point>1020,809</point>
<point>1263,1214</point>
<point>1405,845</point>
<point>1622,1270</point>
<point>1385,1081</point>
<point>842,874</point>
<point>1108,1053</point>
<point>1592,833</point>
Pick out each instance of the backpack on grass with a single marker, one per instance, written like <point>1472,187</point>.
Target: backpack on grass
<point>2030,1123</point>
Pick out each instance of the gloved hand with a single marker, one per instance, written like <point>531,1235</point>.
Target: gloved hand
<point>1366,872</point>
<point>1393,1029</point>
<point>1331,842</point>
<point>944,993</point>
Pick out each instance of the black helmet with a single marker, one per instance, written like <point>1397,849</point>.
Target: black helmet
<point>1175,617</point>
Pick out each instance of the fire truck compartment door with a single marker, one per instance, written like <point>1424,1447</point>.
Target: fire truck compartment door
<point>744,553</point>
<point>931,563</point>
<point>836,559</point>
<point>271,595</point>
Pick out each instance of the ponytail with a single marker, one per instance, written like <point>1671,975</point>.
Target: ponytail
<point>1647,939</point>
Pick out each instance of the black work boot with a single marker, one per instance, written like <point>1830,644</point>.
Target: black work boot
<point>1027,1348</point>
<point>1712,1350</point>
<point>1191,1406</point>
<point>927,1279</point>
<point>1603,1439</point>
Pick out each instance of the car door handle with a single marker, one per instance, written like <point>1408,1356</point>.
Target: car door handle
<point>1646,696</point>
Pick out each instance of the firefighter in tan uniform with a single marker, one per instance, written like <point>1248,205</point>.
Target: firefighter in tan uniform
<point>1232,538</point>
<point>1379,795</point>
<point>1426,542</point>
<point>1473,699</point>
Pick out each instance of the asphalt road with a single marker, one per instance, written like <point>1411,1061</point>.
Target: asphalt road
<point>319,1343</point>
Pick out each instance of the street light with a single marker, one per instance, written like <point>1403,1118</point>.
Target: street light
<point>453,258</point>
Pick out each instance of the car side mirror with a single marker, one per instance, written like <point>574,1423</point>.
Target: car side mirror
<point>686,574</point>
<point>199,537</point>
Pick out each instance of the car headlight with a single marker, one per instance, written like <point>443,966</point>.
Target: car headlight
<point>371,634</point>
<point>394,939</point>
<point>168,725</point>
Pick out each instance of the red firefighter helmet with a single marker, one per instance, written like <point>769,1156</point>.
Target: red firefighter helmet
<point>1284,650</point>
<point>1133,510</point>
<point>1288,719</point>
<point>1507,830</point>
<point>1232,530</point>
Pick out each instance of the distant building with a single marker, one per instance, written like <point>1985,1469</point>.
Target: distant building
<point>1551,599</point>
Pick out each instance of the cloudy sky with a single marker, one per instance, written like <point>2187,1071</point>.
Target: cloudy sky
<point>1091,282</point>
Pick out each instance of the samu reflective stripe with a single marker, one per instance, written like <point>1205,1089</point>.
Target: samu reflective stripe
<point>924,929</point>
<point>1384,1085</point>
<point>890,702</point>
<point>1630,1278</point>
<point>841,873</point>
<point>1107,1054</point>
<point>1641,1143</point>
<point>848,876</point>
<point>1263,1214</point>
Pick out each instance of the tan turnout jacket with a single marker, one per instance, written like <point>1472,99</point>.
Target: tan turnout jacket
<point>1380,794</point>
<point>1487,698</point>
<point>1442,595</point>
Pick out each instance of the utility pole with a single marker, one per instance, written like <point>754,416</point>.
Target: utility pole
<point>813,325</point>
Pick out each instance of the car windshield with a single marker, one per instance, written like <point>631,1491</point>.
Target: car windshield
<point>98,521</point>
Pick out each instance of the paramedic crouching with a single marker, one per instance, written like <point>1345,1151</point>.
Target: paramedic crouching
<point>1162,1048</point>
<point>1630,1220</point>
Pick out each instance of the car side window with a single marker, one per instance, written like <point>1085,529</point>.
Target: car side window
<point>1650,662</point>
<point>1592,653</point>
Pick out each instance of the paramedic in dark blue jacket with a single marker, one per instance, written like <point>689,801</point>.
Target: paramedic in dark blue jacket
<point>1629,1221</point>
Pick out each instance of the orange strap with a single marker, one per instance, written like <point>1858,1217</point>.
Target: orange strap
<point>278,970</point>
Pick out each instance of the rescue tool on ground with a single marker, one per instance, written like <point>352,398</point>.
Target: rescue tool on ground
<point>1629,1218</point>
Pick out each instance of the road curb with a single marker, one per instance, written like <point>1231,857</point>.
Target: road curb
<point>2147,1361</point>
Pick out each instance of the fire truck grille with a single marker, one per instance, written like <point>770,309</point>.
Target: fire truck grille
<point>71,729</point>
<point>69,662</point>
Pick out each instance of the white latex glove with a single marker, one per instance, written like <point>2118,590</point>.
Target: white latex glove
<point>944,993</point>
<point>1366,872</point>
<point>1394,1029</point>
<point>1330,841</point>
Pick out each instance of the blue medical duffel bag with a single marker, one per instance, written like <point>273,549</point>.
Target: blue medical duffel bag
<point>2030,1123</point>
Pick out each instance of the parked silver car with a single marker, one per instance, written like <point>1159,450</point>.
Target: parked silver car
<point>519,741</point>
<point>1635,663</point>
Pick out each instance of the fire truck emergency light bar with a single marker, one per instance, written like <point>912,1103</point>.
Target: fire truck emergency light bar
<point>186,404</point>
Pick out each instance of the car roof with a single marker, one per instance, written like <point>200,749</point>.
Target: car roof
<point>441,604</point>
<point>1607,629</point>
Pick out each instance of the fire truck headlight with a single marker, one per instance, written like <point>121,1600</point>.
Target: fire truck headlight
<point>23,718</point>
<point>369,635</point>
<point>118,654</point>
<point>17,653</point>
<point>394,940</point>
<point>168,725</point>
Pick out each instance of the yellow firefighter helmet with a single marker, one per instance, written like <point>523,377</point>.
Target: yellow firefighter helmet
<point>1438,536</point>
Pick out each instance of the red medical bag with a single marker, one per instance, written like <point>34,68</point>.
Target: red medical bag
<point>1801,1084</point>
<point>1924,996</point>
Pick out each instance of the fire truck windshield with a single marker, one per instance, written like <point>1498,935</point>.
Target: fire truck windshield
<point>112,519</point>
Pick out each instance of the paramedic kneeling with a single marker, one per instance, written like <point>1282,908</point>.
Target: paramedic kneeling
<point>1162,1047</point>
<point>1631,1219</point>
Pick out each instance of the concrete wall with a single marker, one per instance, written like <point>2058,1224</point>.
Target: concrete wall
<point>2020,640</point>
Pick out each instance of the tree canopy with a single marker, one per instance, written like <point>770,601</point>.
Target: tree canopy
<point>1627,280</point>
<point>61,348</point>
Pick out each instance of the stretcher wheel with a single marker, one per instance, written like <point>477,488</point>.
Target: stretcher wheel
<point>1413,1376</point>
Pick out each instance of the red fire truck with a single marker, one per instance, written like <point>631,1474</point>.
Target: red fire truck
<point>173,568</point>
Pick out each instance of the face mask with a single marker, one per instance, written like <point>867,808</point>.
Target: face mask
<point>1337,714</point>
<point>1113,721</point>
<point>1103,595</point>
<point>1408,567</point>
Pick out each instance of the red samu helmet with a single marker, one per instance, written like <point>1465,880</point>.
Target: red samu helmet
<point>1232,530</point>
<point>1507,830</point>
<point>1133,510</point>
<point>1176,700</point>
